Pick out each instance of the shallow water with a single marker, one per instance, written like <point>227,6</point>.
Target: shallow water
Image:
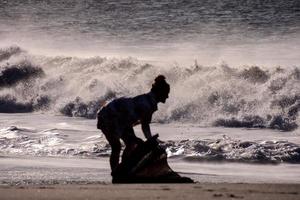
<point>48,135</point>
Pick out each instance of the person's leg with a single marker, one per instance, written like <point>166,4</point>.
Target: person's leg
<point>115,153</point>
<point>131,142</point>
<point>115,144</point>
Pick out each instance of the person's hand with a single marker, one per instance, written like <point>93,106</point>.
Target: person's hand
<point>160,141</point>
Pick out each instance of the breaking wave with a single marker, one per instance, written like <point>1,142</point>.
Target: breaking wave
<point>6,53</point>
<point>21,141</point>
<point>248,96</point>
<point>12,74</point>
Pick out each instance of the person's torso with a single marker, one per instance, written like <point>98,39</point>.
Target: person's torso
<point>129,111</point>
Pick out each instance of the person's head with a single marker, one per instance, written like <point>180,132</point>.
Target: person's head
<point>160,88</point>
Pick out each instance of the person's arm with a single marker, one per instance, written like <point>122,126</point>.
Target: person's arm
<point>146,130</point>
<point>145,123</point>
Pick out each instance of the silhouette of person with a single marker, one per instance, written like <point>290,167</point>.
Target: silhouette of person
<point>116,119</point>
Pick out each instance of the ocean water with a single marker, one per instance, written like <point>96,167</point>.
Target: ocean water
<point>233,68</point>
<point>256,32</point>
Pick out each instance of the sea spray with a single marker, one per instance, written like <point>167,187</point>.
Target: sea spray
<point>248,96</point>
<point>6,53</point>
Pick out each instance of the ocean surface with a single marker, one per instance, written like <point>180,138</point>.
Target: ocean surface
<point>233,67</point>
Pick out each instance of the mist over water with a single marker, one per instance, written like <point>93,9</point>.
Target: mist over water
<point>237,32</point>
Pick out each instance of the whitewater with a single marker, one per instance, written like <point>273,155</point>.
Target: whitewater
<point>249,96</point>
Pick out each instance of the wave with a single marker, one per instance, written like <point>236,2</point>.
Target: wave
<point>11,75</point>
<point>248,96</point>
<point>230,150</point>
<point>273,122</point>
<point>9,104</point>
<point>6,53</point>
<point>20,141</point>
<point>78,108</point>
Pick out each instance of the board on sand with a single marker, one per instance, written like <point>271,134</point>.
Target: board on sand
<point>147,164</point>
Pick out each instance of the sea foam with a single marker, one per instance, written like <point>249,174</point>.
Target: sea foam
<point>19,141</point>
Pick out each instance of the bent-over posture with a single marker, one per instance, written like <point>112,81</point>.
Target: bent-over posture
<point>116,119</point>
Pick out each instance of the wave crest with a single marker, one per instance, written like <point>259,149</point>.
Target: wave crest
<point>249,96</point>
<point>6,53</point>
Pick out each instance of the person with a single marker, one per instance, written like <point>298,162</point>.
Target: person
<point>117,118</point>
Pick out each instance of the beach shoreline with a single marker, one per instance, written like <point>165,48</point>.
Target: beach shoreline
<point>153,191</point>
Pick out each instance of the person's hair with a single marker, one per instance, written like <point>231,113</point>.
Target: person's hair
<point>160,86</point>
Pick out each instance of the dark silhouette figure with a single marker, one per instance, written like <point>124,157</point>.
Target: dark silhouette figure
<point>116,119</point>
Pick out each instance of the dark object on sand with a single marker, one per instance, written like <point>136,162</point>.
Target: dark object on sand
<point>147,164</point>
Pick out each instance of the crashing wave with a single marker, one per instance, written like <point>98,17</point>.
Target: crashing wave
<point>274,122</point>
<point>249,96</point>
<point>13,74</point>
<point>6,53</point>
<point>78,108</point>
<point>9,104</point>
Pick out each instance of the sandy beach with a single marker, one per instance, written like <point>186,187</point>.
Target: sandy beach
<point>154,191</point>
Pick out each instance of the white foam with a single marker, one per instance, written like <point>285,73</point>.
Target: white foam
<point>199,94</point>
<point>179,151</point>
<point>9,132</point>
<point>94,137</point>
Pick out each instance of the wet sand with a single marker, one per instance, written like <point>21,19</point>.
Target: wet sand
<point>153,191</point>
